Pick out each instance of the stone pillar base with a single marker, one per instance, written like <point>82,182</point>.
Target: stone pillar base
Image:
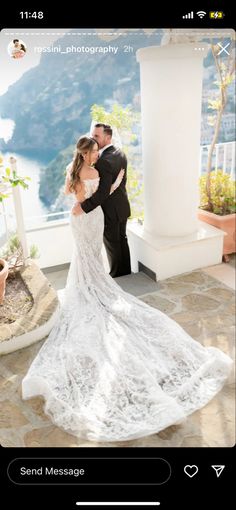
<point>171,256</point>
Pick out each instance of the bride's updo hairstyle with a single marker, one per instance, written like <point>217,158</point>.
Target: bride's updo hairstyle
<point>85,144</point>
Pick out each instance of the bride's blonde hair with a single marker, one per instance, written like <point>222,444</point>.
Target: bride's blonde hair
<point>85,144</point>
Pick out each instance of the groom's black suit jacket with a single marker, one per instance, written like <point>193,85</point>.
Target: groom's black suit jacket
<point>115,206</point>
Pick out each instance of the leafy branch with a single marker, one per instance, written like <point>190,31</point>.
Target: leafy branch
<point>10,180</point>
<point>15,180</point>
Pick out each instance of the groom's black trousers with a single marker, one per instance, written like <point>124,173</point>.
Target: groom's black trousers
<point>116,244</point>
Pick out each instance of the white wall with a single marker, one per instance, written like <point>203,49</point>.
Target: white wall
<point>54,242</point>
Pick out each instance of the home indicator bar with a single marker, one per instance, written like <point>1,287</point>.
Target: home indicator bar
<point>118,503</point>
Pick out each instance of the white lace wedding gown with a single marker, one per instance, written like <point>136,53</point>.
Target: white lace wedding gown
<point>114,368</point>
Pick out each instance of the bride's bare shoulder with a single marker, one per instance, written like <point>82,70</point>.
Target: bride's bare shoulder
<point>89,173</point>
<point>94,173</point>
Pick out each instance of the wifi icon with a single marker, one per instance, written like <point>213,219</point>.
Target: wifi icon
<point>201,14</point>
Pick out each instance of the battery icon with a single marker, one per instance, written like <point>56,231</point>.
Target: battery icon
<point>216,14</point>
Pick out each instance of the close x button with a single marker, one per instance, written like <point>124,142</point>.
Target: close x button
<point>89,471</point>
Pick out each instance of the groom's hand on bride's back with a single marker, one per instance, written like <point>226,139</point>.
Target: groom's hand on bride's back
<point>118,180</point>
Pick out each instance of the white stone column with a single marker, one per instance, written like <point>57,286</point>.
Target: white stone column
<point>171,89</point>
<point>19,215</point>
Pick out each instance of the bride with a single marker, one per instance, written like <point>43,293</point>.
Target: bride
<point>114,368</point>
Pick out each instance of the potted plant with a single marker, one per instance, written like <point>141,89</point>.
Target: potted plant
<point>217,190</point>
<point>221,213</point>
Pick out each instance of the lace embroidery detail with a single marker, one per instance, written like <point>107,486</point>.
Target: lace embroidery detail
<point>91,185</point>
<point>114,368</point>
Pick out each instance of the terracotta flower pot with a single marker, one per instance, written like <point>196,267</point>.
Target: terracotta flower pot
<point>3,277</point>
<point>225,223</point>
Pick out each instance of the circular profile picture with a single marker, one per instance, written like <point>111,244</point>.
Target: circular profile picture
<point>16,48</point>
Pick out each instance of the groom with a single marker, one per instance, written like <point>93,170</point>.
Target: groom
<point>116,206</point>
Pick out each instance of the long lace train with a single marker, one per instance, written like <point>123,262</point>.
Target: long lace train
<point>113,368</point>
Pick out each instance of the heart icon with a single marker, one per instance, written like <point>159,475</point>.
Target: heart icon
<point>191,470</point>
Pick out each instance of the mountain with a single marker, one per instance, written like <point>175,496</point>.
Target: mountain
<point>52,177</point>
<point>51,103</point>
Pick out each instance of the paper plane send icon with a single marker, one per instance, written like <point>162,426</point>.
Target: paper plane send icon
<point>218,470</point>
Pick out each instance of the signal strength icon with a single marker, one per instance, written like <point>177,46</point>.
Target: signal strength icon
<point>201,14</point>
<point>188,16</point>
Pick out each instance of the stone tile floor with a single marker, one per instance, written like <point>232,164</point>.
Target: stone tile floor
<point>202,302</point>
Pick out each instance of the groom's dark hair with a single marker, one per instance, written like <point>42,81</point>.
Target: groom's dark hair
<point>107,129</point>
